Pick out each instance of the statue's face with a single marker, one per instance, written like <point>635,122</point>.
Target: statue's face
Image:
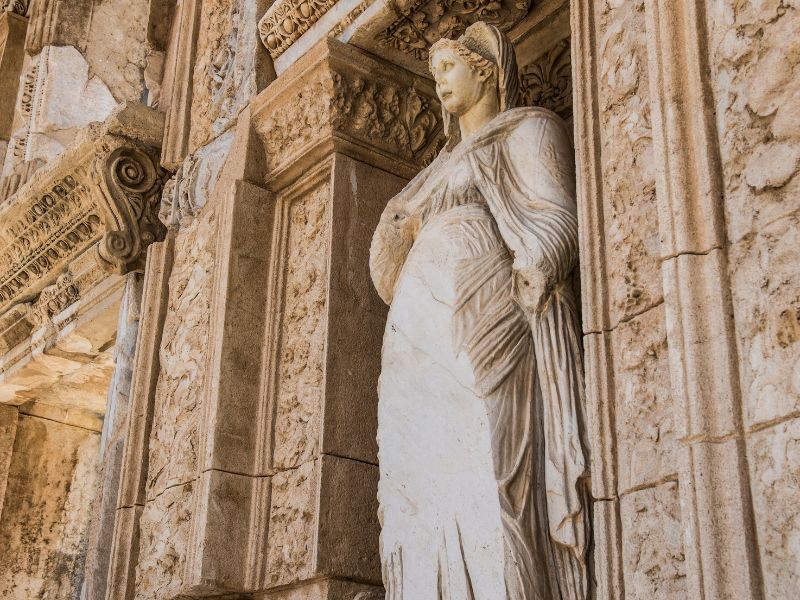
<point>458,85</point>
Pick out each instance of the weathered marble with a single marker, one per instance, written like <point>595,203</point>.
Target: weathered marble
<point>480,356</point>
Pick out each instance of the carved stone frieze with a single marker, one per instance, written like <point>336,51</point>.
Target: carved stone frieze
<point>420,23</point>
<point>55,298</point>
<point>103,192</point>
<point>287,20</point>
<point>547,81</point>
<point>349,99</point>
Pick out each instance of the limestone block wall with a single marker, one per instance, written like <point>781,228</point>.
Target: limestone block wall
<point>687,170</point>
<point>754,56</point>
<point>50,484</point>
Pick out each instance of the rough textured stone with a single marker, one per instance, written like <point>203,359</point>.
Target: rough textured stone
<point>645,430</point>
<point>627,159</point>
<point>228,69</point>
<point>164,543</point>
<point>652,544</point>
<point>755,53</point>
<point>766,280</point>
<point>774,455</point>
<point>292,524</point>
<point>301,370</point>
<point>174,439</point>
<point>51,485</point>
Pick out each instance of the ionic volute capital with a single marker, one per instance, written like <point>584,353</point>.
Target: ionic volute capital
<point>130,181</point>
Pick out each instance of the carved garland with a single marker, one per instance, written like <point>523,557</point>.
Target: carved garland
<point>286,21</point>
<point>130,182</point>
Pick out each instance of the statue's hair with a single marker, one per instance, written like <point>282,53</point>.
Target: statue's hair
<point>485,67</point>
<point>490,53</point>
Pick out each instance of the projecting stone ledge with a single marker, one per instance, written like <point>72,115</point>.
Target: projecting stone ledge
<point>95,208</point>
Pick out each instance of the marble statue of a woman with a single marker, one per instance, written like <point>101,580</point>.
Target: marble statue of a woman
<point>480,418</point>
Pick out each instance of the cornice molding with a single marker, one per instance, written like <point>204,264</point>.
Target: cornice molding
<point>100,196</point>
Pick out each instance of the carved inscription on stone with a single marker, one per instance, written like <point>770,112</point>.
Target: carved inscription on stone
<point>420,23</point>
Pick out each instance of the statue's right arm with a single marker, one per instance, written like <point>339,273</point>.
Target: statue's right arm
<point>391,244</point>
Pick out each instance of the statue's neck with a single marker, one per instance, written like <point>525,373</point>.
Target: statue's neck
<point>483,111</point>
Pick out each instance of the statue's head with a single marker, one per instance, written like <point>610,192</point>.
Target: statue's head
<point>480,62</point>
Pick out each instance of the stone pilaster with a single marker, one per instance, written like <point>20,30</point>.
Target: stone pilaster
<point>717,506</point>
<point>12,53</point>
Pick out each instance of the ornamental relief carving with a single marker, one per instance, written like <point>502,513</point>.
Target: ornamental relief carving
<point>130,183</point>
<point>399,119</point>
<point>396,116</point>
<point>547,81</point>
<point>421,23</point>
<point>103,192</point>
<point>287,20</point>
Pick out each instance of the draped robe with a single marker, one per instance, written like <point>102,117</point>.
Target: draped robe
<point>505,196</point>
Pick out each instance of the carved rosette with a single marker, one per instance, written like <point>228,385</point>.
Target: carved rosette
<point>421,23</point>
<point>130,181</point>
<point>287,20</point>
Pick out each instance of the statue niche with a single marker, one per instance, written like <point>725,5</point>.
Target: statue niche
<point>483,466</point>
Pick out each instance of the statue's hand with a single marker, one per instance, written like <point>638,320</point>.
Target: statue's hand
<point>533,287</point>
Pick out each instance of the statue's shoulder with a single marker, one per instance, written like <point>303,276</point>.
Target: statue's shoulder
<point>528,120</point>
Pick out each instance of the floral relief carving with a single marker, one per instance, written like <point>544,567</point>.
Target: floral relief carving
<point>373,110</point>
<point>286,21</point>
<point>391,116</point>
<point>421,23</point>
<point>547,81</point>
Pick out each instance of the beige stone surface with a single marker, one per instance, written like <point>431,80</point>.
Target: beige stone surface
<point>301,370</point>
<point>645,414</point>
<point>230,66</point>
<point>774,455</point>
<point>652,545</point>
<point>631,221</point>
<point>51,484</point>
<point>765,280</point>
<point>755,52</point>
<point>292,524</point>
<point>174,441</point>
<point>165,536</point>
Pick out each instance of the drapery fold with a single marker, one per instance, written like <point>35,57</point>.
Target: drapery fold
<point>524,171</point>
